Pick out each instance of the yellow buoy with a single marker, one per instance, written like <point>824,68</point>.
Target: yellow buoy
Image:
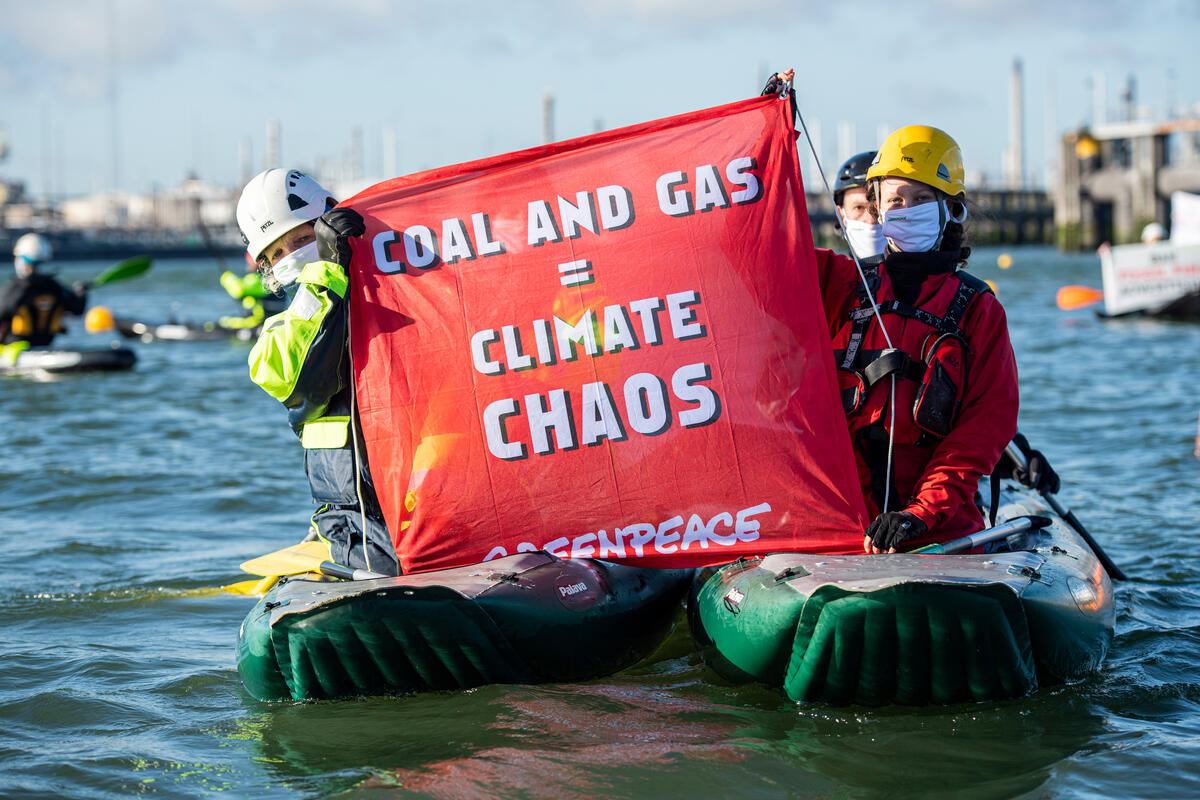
<point>992,286</point>
<point>1086,147</point>
<point>98,319</point>
<point>1004,261</point>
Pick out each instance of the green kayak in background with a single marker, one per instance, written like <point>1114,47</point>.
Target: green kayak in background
<point>912,629</point>
<point>525,618</point>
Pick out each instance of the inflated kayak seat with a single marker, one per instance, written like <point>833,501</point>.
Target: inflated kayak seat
<point>434,643</point>
<point>911,644</point>
<point>525,618</point>
<point>912,629</point>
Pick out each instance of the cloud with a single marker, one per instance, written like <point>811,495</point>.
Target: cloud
<point>1077,14</point>
<point>79,35</point>
<point>701,11</point>
<point>73,47</point>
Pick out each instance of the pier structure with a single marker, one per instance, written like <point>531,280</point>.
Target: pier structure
<point>995,216</point>
<point>1116,178</point>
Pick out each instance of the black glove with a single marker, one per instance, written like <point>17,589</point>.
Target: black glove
<point>1038,474</point>
<point>774,85</point>
<point>893,528</point>
<point>333,228</point>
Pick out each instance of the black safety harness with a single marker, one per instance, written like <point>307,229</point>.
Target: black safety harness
<point>874,365</point>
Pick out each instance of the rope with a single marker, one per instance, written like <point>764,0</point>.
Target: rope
<point>866,287</point>
<point>362,507</point>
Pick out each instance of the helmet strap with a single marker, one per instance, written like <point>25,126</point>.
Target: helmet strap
<point>943,218</point>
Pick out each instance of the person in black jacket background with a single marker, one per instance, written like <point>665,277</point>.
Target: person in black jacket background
<point>33,304</point>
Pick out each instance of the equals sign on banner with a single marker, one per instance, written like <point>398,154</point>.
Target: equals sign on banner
<point>575,273</point>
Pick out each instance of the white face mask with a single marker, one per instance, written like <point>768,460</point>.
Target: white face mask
<point>288,269</point>
<point>916,229</point>
<point>919,228</point>
<point>865,237</point>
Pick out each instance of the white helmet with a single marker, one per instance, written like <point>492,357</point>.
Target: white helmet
<point>29,251</point>
<point>1153,232</point>
<point>33,247</point>
<point>274,202</point>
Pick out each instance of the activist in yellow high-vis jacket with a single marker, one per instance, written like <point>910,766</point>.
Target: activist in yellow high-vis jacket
<point>259,303</point>
<point>302,359</point>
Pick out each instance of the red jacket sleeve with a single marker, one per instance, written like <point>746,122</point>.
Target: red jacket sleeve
<point>838,277</point>
<point>986,423</point>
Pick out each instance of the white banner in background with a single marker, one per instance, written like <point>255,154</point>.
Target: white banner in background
<point>1185,218</point>
<point>1138,277</point>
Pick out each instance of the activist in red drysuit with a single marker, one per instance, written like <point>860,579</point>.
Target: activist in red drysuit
<point>956,395</point>
<point>933,478</point>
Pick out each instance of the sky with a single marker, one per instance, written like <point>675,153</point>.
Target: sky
<point>136,95</point>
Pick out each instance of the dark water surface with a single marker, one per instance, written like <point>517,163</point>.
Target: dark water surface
<point>127,499</point>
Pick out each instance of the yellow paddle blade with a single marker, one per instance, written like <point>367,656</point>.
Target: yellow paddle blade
<point>303,557</point>
<point>1070,298</point>
<point>255,587</point>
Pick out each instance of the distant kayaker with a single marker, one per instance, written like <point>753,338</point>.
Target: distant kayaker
<point>258,302</point>
<point>33,304</point>
<point>302,356</point>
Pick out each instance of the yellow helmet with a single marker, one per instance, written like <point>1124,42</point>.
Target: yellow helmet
<point>921,153</point>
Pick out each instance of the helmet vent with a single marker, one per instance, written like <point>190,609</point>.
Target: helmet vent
<point>296,201</point>
<point>943,173</point>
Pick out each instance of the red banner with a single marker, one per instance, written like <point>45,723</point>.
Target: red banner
<point>611,347</point>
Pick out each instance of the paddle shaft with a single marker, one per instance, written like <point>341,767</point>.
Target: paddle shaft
<point>1112,569</point>
<point>1001,531</point>
<point>346,573</point>
<point>208,242</point>
<point>307,556</point>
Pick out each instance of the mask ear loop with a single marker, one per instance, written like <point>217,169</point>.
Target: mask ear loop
<point>963,218</point>
<point>944,219</point>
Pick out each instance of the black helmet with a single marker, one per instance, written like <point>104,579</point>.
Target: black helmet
<point>852,174</point>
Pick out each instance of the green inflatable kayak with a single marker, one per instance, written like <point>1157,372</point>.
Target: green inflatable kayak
<point>525,618</point>
<point>912,629</point>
